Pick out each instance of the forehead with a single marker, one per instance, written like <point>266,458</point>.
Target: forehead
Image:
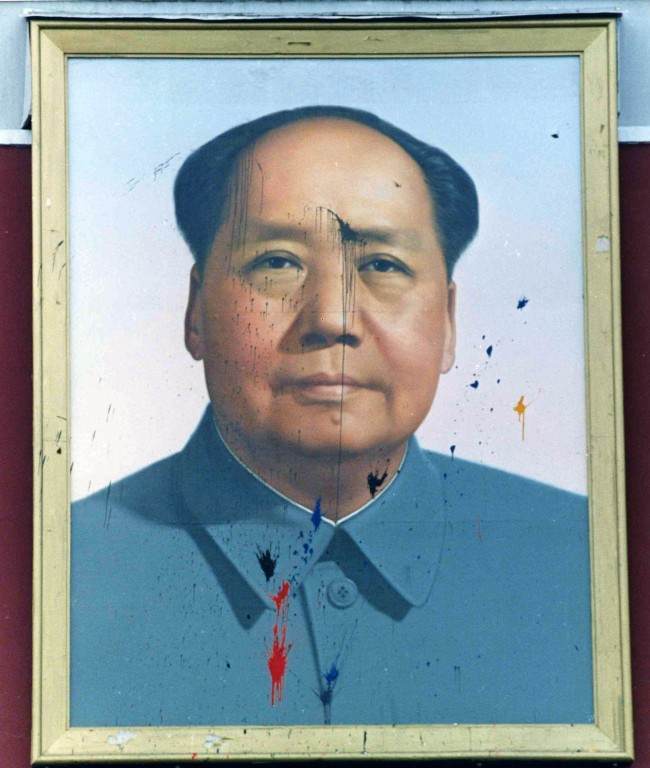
<point>349,168</point>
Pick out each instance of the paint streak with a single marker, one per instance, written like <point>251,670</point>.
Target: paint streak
<point>520,410</point>
<point>267,562</point>
<point>277,657</point>
<point>352,250</point>
<point>522,302</point>
<point>375,481</point>
<point>327,693</point>
<point>280,598</point>
<point>346,233</point>
<point>457,677</point>
<point>452,450</point>
<point>488,351</point>
<point>474,384</point>
<point>316,516</point>
<point>277,661</point>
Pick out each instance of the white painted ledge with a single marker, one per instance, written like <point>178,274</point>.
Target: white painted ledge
<point>634,134</point>
<point>15,137</point>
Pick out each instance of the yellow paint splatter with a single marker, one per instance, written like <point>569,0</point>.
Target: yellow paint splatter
<point>520,410</point>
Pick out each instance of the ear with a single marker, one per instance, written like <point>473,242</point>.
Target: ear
<point>449,348</point>
<point>194,317</point>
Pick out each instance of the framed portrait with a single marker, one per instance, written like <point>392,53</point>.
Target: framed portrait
<point>328,447</point>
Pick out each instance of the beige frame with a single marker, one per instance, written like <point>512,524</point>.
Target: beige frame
<point>594,42</point>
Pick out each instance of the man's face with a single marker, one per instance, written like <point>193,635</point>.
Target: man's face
<point>324,316</point>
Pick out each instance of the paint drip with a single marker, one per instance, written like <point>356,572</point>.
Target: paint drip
<point>277,656</point>
<point>520,410</point>
<point>277,661</point>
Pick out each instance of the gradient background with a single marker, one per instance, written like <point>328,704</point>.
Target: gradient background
<point>512,123</point>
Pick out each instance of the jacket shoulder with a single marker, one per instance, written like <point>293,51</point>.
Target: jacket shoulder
<point>150,494</point>
<point>502,495</point>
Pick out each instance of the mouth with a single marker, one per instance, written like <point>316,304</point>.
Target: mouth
<point>323,387</point>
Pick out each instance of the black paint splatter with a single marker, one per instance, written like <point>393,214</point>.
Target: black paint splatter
<point>488,351</point>
<point>522,302</point>
<point>474,384</point>
<point>452,449</point>
<point>555,135</point>
<point>267,562</point>
<point>374,481</point>
<point>348,235</point>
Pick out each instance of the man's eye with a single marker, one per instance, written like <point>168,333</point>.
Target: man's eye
<point>279,262</point>
<point>275,262</point>
<point>383,265</point>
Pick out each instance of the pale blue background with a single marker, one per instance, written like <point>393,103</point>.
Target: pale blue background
<point>634,56</point>
<point>136,394</point>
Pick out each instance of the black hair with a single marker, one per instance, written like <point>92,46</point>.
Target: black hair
<point>202,186</point>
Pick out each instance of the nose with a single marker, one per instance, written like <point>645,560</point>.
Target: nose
<point>327,314</point>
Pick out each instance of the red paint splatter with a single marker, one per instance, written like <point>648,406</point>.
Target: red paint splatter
<point>277,661</point>
<point>281,597</point>
<point>277,656</point>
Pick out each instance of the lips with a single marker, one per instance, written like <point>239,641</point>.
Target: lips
<point>325,380</point>
<point>323,387</point>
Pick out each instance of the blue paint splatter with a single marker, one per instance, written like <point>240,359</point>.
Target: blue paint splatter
<point>332,674</point>
<point>326,694</point>
<point>488,351</point>
<point>474,384</point>
<point>522,302</point>
<point>316,516</point>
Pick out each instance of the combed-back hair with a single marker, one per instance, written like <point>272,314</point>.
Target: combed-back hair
<point>202,186</point>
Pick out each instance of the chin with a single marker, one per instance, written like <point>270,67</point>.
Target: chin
<point>331,444</point>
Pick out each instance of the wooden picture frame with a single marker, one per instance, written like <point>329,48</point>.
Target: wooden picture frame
<point>587,44</point>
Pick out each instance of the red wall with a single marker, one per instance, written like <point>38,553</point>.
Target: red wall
<point>635,259</point>
<point>16,440</point>
<point>15,455</point>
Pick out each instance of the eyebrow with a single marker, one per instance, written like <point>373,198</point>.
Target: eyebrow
<point>267,230</point>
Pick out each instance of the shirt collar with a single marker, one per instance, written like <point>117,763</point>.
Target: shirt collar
<point>269,539</point>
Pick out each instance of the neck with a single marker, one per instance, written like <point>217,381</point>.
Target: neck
<point>342,484</point>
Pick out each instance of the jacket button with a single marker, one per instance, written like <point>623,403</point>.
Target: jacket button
<point>342,592</point>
